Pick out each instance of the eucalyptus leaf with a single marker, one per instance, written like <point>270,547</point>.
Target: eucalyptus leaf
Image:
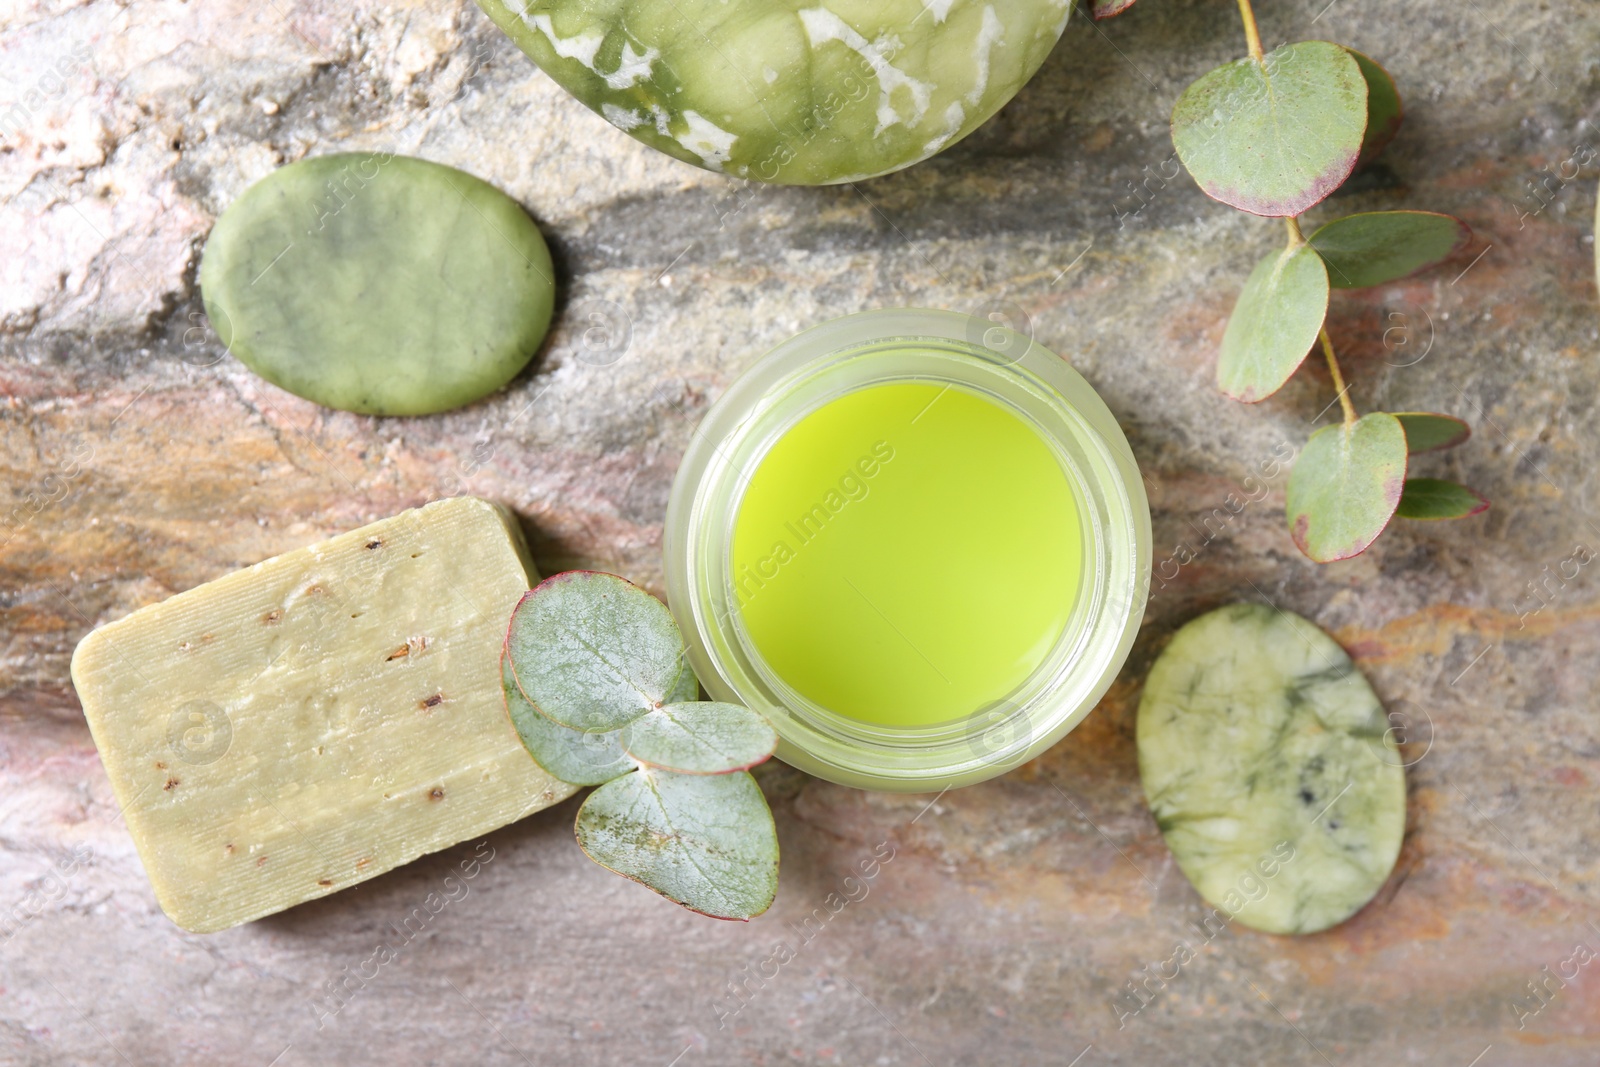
<point>593,652</point>
<point>1104,9</point>
<point>570,755</point>
<point>1345,486</point>
<point>700,737</point>
<point>1274,324</point>
<point>686,688</point>
<point>705,841</point>
<point>1376,247</point>
<point>1384,110</point>
<point>1430,432</point>
<point>1274,136</point>
<point>1437,498</point>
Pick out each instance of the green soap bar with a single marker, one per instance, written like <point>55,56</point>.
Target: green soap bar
<point>793,91</point>
<point>324,716</point>
<point>1268,763</point>
<point>378,284</point>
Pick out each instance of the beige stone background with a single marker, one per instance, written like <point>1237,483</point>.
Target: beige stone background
<point>139,460</point>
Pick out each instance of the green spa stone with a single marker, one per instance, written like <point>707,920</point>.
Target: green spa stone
<point>791,91</point>
<point>378,284</point>
<point>1270,769</point>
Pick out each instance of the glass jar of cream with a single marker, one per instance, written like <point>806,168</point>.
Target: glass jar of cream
<point>914,540</point>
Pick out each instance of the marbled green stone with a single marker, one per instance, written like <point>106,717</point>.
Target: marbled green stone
<point>793,91</point>
<point>1268,763</point>
<point>378,284</point>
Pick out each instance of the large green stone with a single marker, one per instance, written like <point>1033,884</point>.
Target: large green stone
<point>794,91</point>
<point>1270,768</point>
<point>378,284</point>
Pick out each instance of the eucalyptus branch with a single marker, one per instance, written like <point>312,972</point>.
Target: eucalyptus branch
<point>1294,125</point>
<point>1296,238</point>
<point>1338,379</point>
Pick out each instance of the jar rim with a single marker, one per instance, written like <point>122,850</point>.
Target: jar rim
<point>875,347</point>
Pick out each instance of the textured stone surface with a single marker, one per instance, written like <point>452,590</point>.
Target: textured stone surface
<point>1004,928</point>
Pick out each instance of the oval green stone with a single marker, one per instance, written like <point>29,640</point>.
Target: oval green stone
<point>1271,770</point>
<point>378,284</point>
<point>790,91</point>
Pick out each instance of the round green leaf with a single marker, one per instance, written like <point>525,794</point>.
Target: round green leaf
<point>1375,247</point>
<point>1276,136</point>
<point>1345,486</point>
<point>1436,498</point>
<point>574,757</point>
<point>687,688</point>
<point>593,652</point>
<point>704,841</point>
<point>1429,432</point>
<point>1271,769</point>
<point>1273,325</point>
<point>1384,110</point>
<point>701,737</point>
<point>1104,9</point>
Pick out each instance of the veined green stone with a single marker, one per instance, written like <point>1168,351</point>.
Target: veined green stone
<point>378,284</point>
<point>1271,770</point>
<point>803,92</point>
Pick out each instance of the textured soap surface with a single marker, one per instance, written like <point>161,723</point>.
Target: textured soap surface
<point>317,719</point>
<point>378,284</point>
<point>795,91</point>
<point>1271,770</point>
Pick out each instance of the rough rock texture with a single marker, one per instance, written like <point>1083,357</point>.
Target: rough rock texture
<point>138,459</point>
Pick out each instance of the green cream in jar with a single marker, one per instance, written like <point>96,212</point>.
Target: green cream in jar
<point>915,541</point>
